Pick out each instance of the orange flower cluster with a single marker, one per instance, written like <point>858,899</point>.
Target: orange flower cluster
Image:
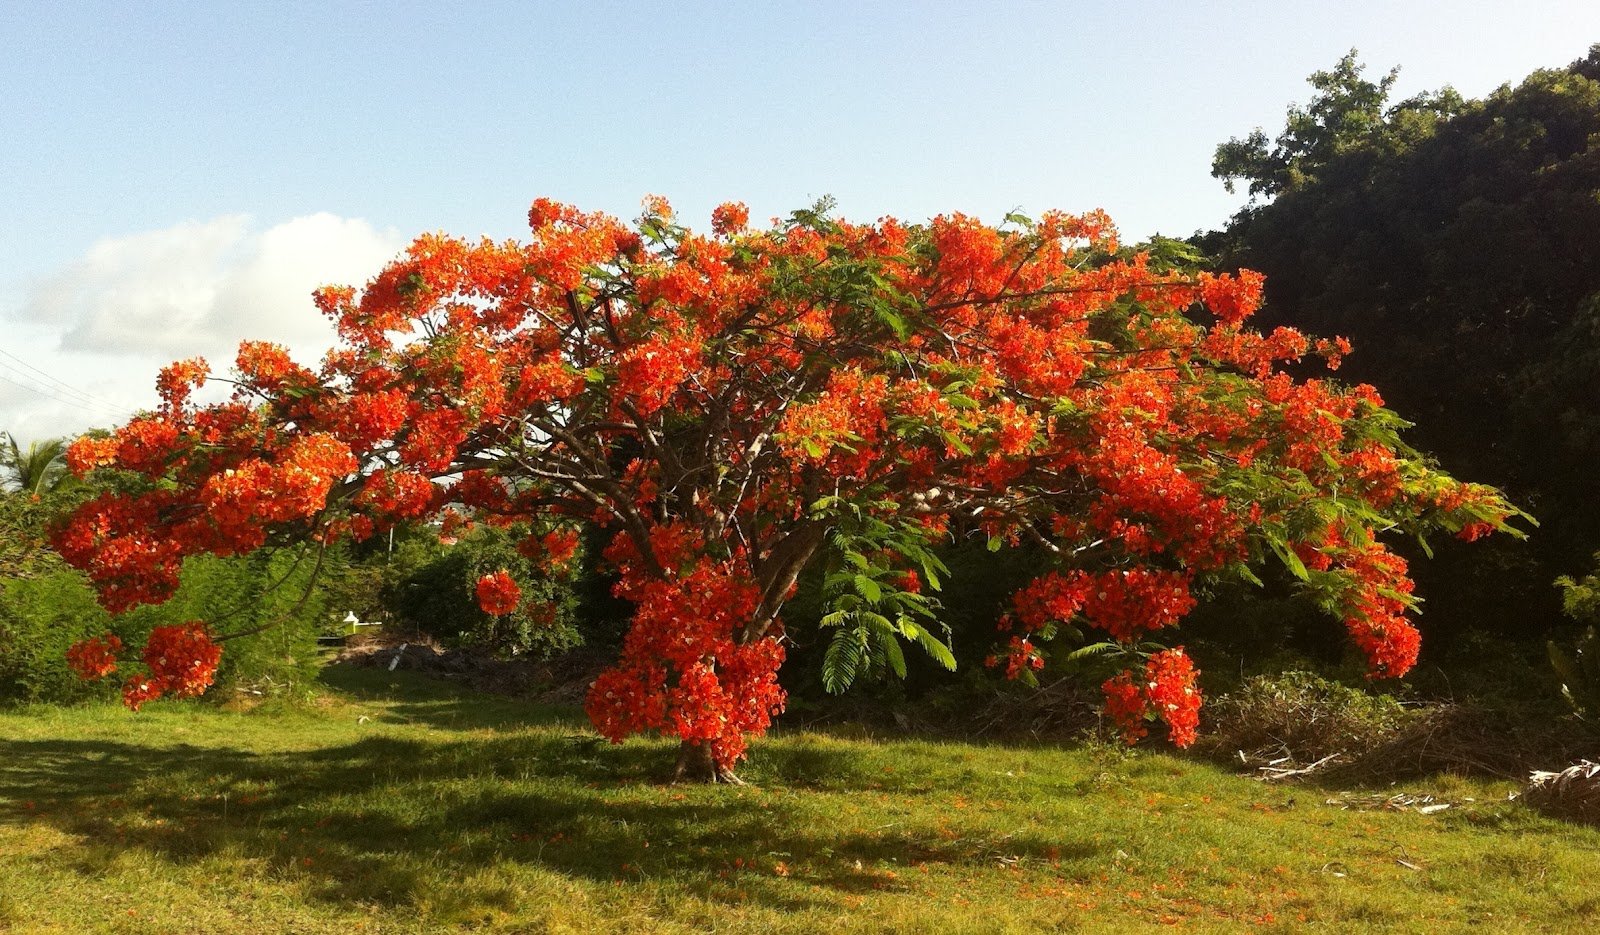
<point>729,218</point>
<point>265,366</point>
<point>240,500</point>
<point>182,660</point>
<point>498,593</point>
<point>549,379</point>
<point>177,381</point>
<point>686,669</point>
<point>1232,298</point>
<point>1019,656</point>
<point>1126,705</point>
<point>723,404</point>
<point>654,369</point>
<point>1376,620</point>
<point>560,547</point>
<point>178,660</point>
<point>1167,691</point>
<point>1134,601</point>
<point>117,541</point>
<point>1053,597</point>
<point>94,658</point>
<point>397,495</point>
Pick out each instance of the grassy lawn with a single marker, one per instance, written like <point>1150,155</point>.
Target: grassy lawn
<point>398,805</point>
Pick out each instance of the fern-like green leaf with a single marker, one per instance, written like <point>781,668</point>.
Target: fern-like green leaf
<point>844,660</point>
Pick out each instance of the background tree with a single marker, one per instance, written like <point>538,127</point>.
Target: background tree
<point>1349,117</point>
<point>34,486</point>
<point>430,586</point>
<point>37,470</point>
<point>1455,241</point>
<point>737,407</point>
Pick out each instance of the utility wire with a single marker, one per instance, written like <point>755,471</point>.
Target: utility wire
<point>88,397</point>
<point>96,409</point>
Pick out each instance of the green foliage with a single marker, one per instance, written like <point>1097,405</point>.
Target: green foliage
<point>24,551</point>
<point>1346,115</point>
<point>1454,241</point>
<point>868,602</point>
<point>41,616</point>
<point>266,602</point>
<point>1579,668</point>
<point>1580,597</point>
<point>353,583</point>
<point>1579,672</point>
<point>432,588</point>
<point>39,469</point>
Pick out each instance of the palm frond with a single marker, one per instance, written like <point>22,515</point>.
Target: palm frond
<point>40,468</point>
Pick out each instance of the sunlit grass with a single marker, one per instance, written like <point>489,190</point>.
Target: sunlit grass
<point>399,805</point>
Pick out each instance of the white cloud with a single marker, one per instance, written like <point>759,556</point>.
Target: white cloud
<point>103,325</point>
<point>147,292</point>
<point>268,297</point>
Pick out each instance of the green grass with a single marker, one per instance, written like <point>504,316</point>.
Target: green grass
<point>399,805</point>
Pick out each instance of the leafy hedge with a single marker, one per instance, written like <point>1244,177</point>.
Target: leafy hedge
<point>42,615</point>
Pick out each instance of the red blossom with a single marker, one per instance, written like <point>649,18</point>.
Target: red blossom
<point>1126,705</point>
<point>1232,298</point>
<point>1166,690</point>
<point>498,594</point>
<point>179,660</point>
<point>94,658</point>
<point>729,218</point>
<point>182,659</point>
<point>178,380</point>
<point>722,405</point>
<point>560,546</point>
<point>1170,687</point>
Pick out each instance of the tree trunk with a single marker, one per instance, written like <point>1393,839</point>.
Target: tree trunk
<point>695,764</point>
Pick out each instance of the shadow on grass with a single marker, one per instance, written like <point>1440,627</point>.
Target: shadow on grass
<point>414,699</point>
<point>393,821</point>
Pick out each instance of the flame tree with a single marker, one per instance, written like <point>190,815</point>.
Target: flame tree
<point>733,407</point>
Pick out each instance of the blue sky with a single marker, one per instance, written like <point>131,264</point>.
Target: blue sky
<point>178,176</point>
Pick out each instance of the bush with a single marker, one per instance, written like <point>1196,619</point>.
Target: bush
<point>43,615</point>
<point>1578,668</point>
<point>432,588</point>
<point>40,617</point>
<point>1580,597</point>
<point>1302,716</point>
<point>266,602</point>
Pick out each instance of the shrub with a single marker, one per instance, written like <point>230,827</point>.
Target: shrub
<point>41,616</point>
<point>1578,669</point>
<point>1303,716</point>
<point>277,623</point>
<point>1580,597</point>
<point>431,588</point>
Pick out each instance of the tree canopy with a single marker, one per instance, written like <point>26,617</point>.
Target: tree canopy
<point>1348,115</point>
<point>1455,242</point>
<point>734,407</point>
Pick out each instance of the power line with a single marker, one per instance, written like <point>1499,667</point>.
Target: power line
<point>89,397</point>
<point>93,408</point>
<point>104,410</point>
